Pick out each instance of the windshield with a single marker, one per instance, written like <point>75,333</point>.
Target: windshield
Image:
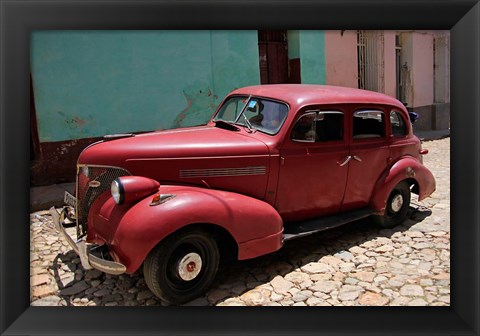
<point>258,113</point>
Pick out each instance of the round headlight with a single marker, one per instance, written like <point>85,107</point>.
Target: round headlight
<point>117,190</point>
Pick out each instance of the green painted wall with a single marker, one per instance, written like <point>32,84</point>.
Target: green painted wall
<point>312,56</point>
<point>92,83</point>
<point>293,38</point>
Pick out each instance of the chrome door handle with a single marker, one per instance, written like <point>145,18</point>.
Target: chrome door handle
<point>356,158</point>
<point>348,158</point>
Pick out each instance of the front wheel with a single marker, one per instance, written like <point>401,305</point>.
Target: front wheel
<point>397,206</point>
<point>182,267</point>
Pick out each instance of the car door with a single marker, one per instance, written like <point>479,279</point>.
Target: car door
<point>368,156</point>
<point>311,178</point>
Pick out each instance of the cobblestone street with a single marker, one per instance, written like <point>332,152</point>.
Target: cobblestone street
<point>357,264</point>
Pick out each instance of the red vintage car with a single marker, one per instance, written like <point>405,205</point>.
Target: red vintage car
<point>275,162</point>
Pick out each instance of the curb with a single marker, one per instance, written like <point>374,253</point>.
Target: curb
<point>43,198</point>
<point>432,135</point>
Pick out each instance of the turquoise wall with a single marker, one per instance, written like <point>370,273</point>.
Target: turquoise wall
<point>92,83</point>
<point>312,56</point>
<point>293,38</point>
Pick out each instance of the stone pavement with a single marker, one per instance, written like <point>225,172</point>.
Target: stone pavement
<point>357,264</point>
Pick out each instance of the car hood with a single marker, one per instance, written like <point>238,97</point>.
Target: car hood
<point>194,142</point>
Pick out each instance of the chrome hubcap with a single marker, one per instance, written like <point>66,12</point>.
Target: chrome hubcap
<point>190,266</point>
<point>397,203</point>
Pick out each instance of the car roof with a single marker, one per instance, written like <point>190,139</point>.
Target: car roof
<point>309,94</point>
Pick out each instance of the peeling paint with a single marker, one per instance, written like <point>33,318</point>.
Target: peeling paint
<point>65,148</point>
<point>200,107</point>
<point>90,83</point>
<point>78,121</point>
<point>73,122</point>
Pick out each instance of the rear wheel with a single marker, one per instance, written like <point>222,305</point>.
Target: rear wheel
<point>397,206</point>
<point>182,267</point>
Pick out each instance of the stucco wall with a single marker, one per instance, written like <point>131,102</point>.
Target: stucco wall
<point>389,62</point>
<point>417,55</point>
<point>341,58</point>
<point>312,56</point>
<point>422,69</point>
<point>406,61</point>
<point>442,66</point>
<point>91,83</point>
<point>293,38</point>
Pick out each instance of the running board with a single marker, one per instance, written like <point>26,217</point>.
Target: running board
<point>304,228</point>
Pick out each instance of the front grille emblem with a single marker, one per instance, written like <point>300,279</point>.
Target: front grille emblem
<point>94,184</point>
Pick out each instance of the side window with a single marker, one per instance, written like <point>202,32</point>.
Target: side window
<point>329,126</point>
<point>399,128</point>
<point>319,126</point>
<point>304,129</point>
<point>368,124</point>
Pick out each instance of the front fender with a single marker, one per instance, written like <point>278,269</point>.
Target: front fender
<point>407,168</point>
<point>133,231</point>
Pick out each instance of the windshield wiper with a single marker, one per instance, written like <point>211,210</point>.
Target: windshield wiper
<point>247,122</point>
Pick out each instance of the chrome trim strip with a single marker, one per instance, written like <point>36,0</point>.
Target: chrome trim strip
<point>57,220</point>
<point>202,157</point>
<point>77,226</point>
<point>93,144</point>
<point>100,166</point>
<point>82,247</point>
<point>223,172</point>
<point>107,266</point>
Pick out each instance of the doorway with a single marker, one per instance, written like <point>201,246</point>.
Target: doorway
<point>273,55</point>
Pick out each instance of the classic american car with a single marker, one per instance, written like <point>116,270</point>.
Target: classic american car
<point>275,162</point>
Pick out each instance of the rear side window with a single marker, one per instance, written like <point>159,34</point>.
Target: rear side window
<point>329,126</point>
<point>319,126</point>
<point>399,128</point>
<point>368,124</point>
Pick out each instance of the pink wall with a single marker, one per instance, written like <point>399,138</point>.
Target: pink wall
<point>422,70</point>
<point>341,58</point>
<point>417,54</point>
<point>389,54</point>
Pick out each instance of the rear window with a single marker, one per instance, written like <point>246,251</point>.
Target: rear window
<point>398,125</point>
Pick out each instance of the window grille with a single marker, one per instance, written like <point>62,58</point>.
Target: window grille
<point>371,60</point>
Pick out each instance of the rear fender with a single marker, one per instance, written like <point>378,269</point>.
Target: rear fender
<point>405,169</point>
<point>133,231</point>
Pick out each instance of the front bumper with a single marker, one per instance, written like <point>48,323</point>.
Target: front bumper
<point>88,259</point>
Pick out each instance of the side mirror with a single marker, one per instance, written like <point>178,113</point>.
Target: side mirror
<point>413,117</point>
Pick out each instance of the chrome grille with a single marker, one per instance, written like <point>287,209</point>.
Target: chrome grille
<point>87,192</point>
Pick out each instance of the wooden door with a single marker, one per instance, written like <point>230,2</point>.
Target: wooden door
<point>272,48</point>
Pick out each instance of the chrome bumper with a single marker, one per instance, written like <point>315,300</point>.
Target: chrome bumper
<point>80,247</point>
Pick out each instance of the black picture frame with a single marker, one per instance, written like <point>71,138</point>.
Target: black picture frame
<point>19,18</point>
